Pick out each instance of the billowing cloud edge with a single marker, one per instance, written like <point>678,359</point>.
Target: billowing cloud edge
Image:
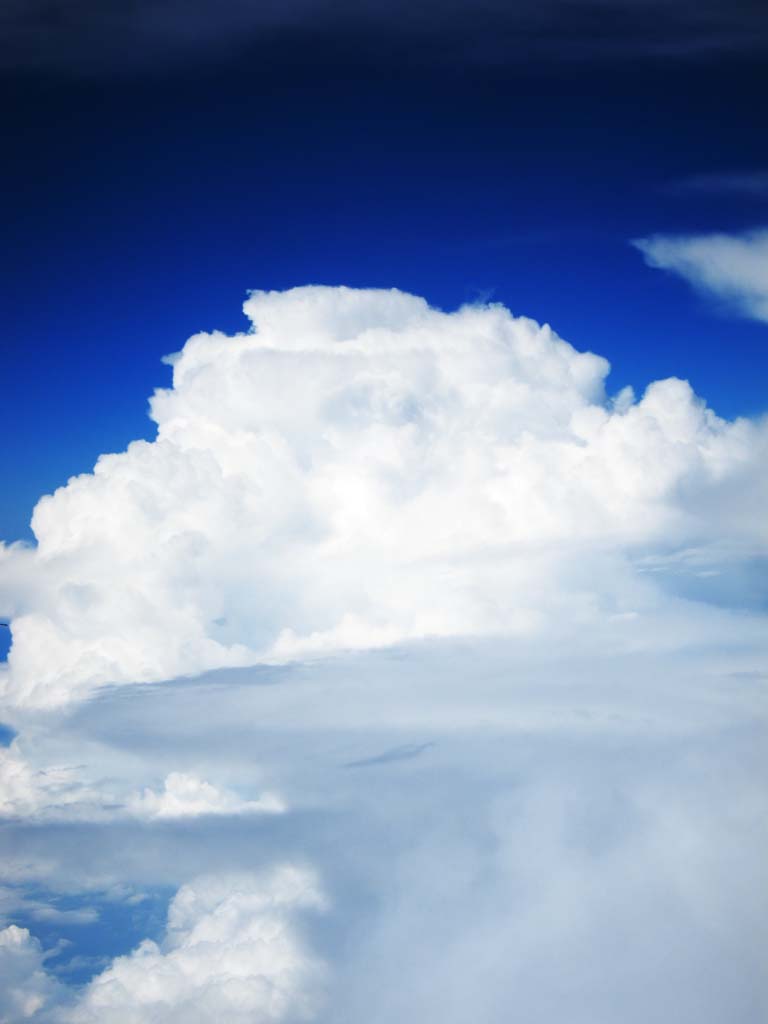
<point>361,470</point>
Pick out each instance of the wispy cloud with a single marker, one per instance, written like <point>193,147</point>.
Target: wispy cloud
<point>88,36</point>
<point>744,183</point>
<point>730,268</point>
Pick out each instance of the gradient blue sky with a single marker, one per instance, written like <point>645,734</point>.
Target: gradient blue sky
<point>143,198</point>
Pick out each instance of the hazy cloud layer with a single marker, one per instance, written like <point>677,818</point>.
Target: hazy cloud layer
<point>87,36</point>
<point>583,827</point>
<point>732,269</point>
<point>360,470</point>
<point>739,183</point>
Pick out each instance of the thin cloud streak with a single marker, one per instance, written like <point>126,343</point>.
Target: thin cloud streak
<point>732,269</point>
<point>87,37</point>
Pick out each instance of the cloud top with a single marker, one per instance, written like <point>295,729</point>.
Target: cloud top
<point>358,470</point>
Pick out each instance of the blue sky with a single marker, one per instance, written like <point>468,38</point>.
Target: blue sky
<point>143,204</point>
<point>397,661</point>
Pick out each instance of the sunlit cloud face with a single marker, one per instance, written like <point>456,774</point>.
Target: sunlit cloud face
<point>361,470</point>
<point>731,269</point>
<point>229,953</point>
<point>459,707</point>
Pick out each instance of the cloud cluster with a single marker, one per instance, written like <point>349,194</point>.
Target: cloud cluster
<point>59,793</point>
<point>231,953</point>
<point>730,268</point>
<point>359,470</point>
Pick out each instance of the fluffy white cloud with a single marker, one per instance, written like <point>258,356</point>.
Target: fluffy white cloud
<point>358,470</point>
<point>231,953</point>
<point>732,268</point>
<point>26,986</point>
<point>60,793</point>
<point>186,796</point>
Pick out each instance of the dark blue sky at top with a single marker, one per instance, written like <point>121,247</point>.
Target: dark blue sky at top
<point>140,205</point>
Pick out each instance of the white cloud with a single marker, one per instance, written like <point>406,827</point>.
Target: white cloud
<point>26,986</point>
<point>731,268</point>
<point>28,792</point>
<point>359,470</point>
<point>550,823</point>
<point>231,953</point>
<point>186,796</point>
<point>584,828</point>
<point>62,794</point>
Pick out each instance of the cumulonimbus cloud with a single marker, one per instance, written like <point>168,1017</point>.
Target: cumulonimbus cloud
<point>359,470</point>
<point>730,268</point>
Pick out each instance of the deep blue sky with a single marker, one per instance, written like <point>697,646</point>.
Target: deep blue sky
<point>142,200</point>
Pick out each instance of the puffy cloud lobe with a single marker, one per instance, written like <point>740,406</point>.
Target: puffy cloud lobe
<point>231,953</point>
<point>59,793</point>
<point>358,470</point>
<point>26,986</point>
<point>186,796</point>
<point>732,268</point>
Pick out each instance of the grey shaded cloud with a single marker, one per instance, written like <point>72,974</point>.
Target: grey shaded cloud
<point>579,815</point>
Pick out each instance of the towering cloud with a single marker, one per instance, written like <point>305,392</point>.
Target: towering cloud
<point>358,470</point>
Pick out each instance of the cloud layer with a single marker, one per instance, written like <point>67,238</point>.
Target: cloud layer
<point>361,470</point>
<point>578,832</point>
<point>85,36</point>
<point>730,268</point>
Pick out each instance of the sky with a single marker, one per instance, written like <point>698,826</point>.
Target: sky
<point>383,549</point>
